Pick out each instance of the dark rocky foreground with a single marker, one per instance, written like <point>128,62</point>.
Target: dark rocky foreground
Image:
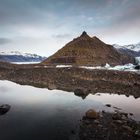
<point>78,80</point>
<point>108,126</point>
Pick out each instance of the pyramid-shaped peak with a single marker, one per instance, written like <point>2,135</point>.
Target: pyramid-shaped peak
<point>84,34</point>
<point>88,51</point>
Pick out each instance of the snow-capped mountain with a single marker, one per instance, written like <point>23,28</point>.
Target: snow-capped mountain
<point>15,56</point>
<point>132,49</point>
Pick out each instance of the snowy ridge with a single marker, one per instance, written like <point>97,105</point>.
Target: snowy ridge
<point>19,53</point>
<point>16,56</point>
<point>127,67</point>
<point>133,47</point>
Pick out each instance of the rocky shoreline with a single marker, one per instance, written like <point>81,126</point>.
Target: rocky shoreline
<point>78,80</point>
<point>108,126</point>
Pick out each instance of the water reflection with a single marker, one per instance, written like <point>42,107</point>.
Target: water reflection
<point>83,92</point>
<point>43,114</point>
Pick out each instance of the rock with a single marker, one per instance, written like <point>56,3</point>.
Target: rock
<point>124,114</point>
<point>51,86</point>
<point>96,122</point>
<point>112,124</point>
<point>87,122</point>
<point>131,114</point>
<point>137,134</point>
<point>137,67</point>
<point>108,105</point>
<point>127,128</point>
<point>118,121</point>
<point>4,109</point>
<point>79,92</point>
<point>117,108</point>
<point>92,114</point>
<point>99,125</point>
<point>117,116</point>
<point>106,128</point>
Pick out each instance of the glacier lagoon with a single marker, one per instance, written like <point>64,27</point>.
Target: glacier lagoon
<point>39,113</point>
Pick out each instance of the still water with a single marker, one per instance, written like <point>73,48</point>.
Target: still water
<point>42,114</point>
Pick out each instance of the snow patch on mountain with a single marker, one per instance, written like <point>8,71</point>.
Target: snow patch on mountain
<point>16,56</point>
<point>133,47</point>
<point>19,53</point>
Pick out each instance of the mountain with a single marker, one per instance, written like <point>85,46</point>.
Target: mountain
<point>132,49</point>
<point>88,51</point>
<point>15,56</point>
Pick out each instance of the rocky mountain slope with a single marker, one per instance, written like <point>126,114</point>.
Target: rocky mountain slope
<point>88,51</point>
<point>16,56</point>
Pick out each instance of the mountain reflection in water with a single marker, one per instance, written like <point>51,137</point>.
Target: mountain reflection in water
<point>43,114</point>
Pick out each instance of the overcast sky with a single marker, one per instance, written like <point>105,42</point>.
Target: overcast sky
<point>44,26</point>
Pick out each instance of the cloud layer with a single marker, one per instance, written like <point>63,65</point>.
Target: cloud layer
<point>44,26</point>
<point>4,41</point>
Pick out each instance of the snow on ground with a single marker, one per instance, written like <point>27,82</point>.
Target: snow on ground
<point>63,66</point>
<point>25,62</point>
<point>127,67</point>
<point>138,60</point>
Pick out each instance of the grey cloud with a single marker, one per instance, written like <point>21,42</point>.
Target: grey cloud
<point>5,41</point>
<point>65,19</point>
<point>126,19</point>
<point>61,36</point>
<point>57,12</point>
<point>14,12</point>
<point>128,13</point>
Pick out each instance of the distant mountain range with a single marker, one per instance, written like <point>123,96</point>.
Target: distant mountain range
<point>132,49</point>
<point>15,56</point>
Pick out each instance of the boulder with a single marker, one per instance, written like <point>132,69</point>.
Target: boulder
<point>81,93</point>
<point>4,109</point>
<point>137,67</point>
<point>92,114</point>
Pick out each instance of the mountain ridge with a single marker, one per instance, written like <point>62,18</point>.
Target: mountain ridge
<point>131,49</point>
<point>91,51</point>
<point>16,56</point>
